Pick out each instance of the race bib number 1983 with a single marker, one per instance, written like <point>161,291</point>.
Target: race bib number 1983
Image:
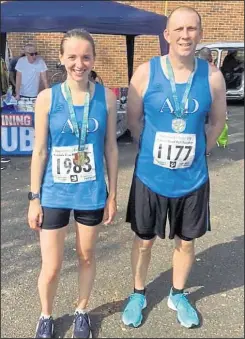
<point>174,150</point>
<point>65,170</point>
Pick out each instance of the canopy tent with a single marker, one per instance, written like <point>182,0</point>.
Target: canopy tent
<point>97,17</point>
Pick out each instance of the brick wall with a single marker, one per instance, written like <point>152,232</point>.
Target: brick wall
<point>222,21</point>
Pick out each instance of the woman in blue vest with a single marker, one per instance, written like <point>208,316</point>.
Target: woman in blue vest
<point>75,128</point>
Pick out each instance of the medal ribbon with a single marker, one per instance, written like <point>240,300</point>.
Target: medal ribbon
<point>81,133</point>
<point>179,108</point>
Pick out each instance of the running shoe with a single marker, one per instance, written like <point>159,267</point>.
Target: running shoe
<point>5,160</point>
<point>82,326</point>
<point>132,314</point>
<point>45,328</point>
<point>186,314</point>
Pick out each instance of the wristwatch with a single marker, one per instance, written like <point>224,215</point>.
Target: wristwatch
<point>32,196</point>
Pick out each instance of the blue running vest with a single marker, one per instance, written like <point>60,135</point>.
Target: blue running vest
<point>169,163</point>
<point>81,195</point>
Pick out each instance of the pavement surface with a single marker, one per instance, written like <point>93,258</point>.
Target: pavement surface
<point>215,284</point>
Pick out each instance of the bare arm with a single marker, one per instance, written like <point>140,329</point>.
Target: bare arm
<point>44,79</point>
<point>111,157</point>
<point>12,78</point>
<point>136,91</point>
<point>111,150</point>
<point>18,84</point>
<point>39,154</point>
<point>218,109</point>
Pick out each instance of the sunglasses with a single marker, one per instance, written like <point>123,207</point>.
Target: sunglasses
<point>32,54</point>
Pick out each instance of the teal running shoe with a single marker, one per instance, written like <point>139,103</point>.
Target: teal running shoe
<point>186,314</point>
<point>132,314</point>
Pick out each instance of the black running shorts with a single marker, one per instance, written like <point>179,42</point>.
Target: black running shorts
<point>54,218</point>
<point>188,216</point>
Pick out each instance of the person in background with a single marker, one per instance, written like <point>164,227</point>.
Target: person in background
<point>12,71</point>
<point>95,77</point>
<point>4,84</point>
<point>4,161</point>
<point>206,54</point>
<point>30,69</point>
<point>230,63</point>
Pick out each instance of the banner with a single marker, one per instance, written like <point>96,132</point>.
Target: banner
<point>17,133</point>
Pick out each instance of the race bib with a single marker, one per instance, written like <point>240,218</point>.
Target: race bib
<point>65,170</point>
<point>174,150</point>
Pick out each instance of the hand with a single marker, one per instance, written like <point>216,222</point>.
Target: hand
<point>110,211</point>
<point>17,97</point>
<point>35,215</point>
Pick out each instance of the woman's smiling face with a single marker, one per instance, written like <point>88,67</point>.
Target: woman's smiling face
<point>78,58</point>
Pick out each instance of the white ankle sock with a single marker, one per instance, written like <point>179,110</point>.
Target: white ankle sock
<point>81,310</point>
<point>45,316</point>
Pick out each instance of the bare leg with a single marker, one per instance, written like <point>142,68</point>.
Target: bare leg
<point>86,237</point>
<point>183,259</point>
<point>52,249</point>
<point>140,260</point>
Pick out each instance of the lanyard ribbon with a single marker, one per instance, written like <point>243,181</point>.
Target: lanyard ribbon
<point>81,133</point>
<point>180,108</point>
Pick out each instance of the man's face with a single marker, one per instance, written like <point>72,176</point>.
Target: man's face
<point>183,33</point>
<point>31,54</point>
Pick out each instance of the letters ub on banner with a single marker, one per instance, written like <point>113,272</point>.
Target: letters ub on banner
<point>17,133</point>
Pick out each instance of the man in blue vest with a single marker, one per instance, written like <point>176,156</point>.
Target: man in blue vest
<point>168,101</point>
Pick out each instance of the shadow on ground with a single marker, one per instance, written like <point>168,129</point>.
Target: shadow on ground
<point>219,268</point>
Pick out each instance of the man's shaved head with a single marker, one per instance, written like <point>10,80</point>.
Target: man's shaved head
<point>184,9</point>
<point>183,31</point>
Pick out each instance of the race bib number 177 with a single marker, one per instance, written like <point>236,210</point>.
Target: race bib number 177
<point>65,170</point>
<point>174,150</point>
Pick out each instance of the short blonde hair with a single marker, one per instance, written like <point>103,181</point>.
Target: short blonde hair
<point>27,46</point>
<point>185,8</point>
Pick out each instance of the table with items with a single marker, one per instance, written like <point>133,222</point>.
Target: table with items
<point>17,122</point>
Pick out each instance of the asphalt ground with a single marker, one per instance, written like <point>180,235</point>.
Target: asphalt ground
<point>215,284</point>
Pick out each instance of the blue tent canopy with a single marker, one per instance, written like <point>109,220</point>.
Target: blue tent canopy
<point>104,17</point>
<point>97,17</point>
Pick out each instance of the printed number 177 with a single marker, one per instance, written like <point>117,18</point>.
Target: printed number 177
<point>170,151</point>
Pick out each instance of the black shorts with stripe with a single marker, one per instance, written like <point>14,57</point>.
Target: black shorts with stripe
<point>148,212</point>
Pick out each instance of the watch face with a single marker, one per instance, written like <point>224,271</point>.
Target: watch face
<point>30,195</point>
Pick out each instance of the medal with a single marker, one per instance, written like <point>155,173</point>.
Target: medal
<point>79,158</point>
<point>178,125</point>
<point>80,132</point>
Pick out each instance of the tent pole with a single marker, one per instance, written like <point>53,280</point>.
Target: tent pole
<point>163,44</point>
<point>130,55</point>
<point>3,44</point>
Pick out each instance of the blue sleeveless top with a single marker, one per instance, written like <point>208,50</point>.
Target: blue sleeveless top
<point>66,185</point>
<point>169,163</point>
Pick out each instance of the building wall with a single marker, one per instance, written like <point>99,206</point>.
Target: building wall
<point>222,21</point>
